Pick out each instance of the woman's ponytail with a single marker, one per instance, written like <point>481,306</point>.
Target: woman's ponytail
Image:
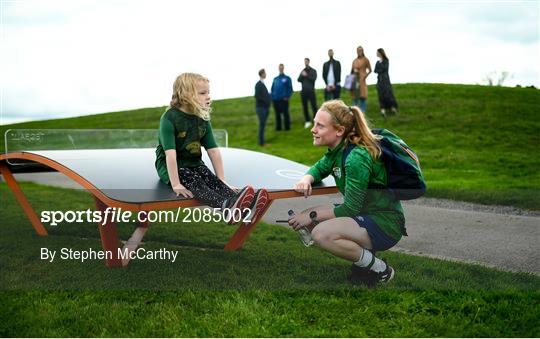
<point>362,134</point>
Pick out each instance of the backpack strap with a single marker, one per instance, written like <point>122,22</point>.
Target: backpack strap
<point>348,149</point>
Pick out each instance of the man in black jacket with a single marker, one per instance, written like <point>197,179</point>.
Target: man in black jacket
<point>332,77</point>
<point>307,79</point>
<point>262,104</point>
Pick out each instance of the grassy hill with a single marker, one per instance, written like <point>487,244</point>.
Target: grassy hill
<point>475,143</point>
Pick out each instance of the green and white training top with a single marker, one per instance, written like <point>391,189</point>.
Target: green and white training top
<point>185,133</point>
<point>353,180</point>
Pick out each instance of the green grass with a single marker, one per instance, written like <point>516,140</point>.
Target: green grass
<point>274,286</point>
<point>475,143</point>
<point>335,313</point>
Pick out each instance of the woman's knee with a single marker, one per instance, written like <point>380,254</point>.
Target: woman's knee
<point>319,235</point>
<point>324,232</point>
<point>340,228</point>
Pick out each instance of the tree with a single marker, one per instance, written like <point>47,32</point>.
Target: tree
<point>496,79</point>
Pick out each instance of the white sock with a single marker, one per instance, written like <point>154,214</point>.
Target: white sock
<point>367,258</point>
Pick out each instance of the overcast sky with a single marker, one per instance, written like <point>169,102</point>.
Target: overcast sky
<point>69,58</point>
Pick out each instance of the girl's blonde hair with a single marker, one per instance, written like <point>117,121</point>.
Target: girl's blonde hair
<point>185,95</point>
<point>357,129</point>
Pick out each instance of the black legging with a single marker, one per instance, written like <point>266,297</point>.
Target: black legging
<point>308,97</point>
<point>205,186</point>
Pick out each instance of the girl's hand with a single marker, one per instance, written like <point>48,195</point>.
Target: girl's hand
<point>181,190</point>
<point>303,186</point>
<point>299,221</point>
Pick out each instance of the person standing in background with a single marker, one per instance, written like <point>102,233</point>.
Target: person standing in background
<point>281,92</point>
<point>262,104</point>
<point>361,68</point>
<point>307,79</point>
<point>332,77</point>
<point>384,87</point>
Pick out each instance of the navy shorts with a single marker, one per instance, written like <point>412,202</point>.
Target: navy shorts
<point>380,240</point>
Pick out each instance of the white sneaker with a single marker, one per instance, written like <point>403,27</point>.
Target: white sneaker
<point>307,124</point>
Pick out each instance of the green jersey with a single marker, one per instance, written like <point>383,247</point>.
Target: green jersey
<point>185,133</point>
<point>353,180</point>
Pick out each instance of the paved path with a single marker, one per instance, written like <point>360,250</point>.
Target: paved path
<point>503,240</point>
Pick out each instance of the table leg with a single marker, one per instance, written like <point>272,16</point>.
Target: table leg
<point>243,232</point>
<point>109,237</point>
<point>23,201</point>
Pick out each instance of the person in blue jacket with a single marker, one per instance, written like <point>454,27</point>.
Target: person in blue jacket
<point>281,93</point>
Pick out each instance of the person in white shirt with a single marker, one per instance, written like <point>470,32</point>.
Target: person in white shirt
<point>332,77</point>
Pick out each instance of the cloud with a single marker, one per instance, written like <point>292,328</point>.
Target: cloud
<point>62,58</point>
<point>505,21</point>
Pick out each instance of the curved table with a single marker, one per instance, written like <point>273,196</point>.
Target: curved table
<point>127,179</point>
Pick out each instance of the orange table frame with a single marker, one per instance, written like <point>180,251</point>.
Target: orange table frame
<point>108,232</point>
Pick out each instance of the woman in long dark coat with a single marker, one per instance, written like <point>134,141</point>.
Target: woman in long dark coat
<point>387,101</point>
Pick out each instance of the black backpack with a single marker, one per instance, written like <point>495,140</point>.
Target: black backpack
<point>404,178</point>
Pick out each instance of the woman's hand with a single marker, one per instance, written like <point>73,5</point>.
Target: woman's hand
<point>300,220</point>
<point>181,190</point>
<point>303,186</point>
